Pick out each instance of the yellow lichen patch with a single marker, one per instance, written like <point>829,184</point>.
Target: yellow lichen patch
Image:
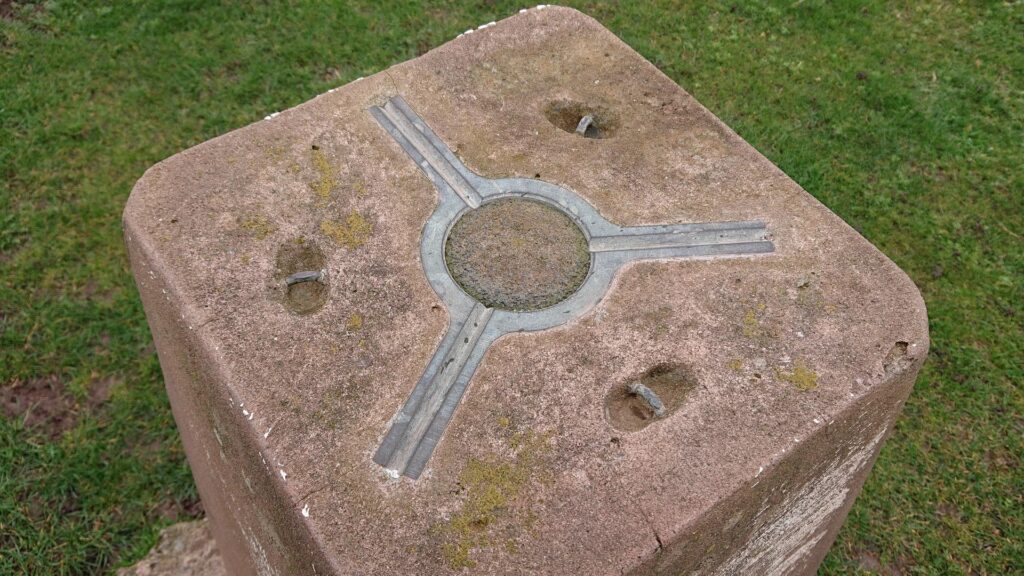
<point>751,327</point>
<point>352,234</point>
<point>258,225</point>
<point>736,365</point>
<point>752,324</point>
<point>276,153</point>
<point>327,180</point>
<point>493,487</point>
<point>354,323</point>
<point>802,377</point>
<point>359,187</point>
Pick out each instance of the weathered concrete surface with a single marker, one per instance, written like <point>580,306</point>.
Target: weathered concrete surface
<point>184,549</point>
<point>789,368</point>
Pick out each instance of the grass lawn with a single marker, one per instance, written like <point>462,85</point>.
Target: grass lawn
<point>906,119</point>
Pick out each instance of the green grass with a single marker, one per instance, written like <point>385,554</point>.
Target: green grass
<point>906,119</point>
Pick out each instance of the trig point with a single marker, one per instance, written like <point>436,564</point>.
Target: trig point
<point>518,306</point>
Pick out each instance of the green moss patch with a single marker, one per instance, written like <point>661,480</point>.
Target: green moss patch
<point>800,376</point>
<point>495,498</point>
<point>351,234</point>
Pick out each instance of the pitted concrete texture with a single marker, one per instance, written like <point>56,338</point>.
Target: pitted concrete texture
<point>780,373</point>
<point>184,549</point>
<point>517,254</point>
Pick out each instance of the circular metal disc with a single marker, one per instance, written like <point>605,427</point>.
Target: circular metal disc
<point>517,254</point>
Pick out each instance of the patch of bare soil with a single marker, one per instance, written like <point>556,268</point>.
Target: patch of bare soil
<point>869,562</point>
<point>44,405</point>
<point>9,9</point>
<point>41,403</point>
<point>171,509</point>
<point>99,391</point>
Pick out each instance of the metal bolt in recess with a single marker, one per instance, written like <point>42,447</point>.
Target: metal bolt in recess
<point>304,276</point>
<point>584,123</point>
<point>648,396</point>
<point>419,424</point>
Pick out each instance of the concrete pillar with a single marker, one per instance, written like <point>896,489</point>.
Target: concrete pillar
<point>520,305</point>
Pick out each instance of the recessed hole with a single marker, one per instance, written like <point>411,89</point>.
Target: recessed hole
<point>567,114</point>
<point>629,412</point>
<point>300,256</point>
<point>897,359</point>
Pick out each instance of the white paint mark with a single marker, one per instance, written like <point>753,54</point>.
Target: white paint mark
<point>800,521</point>
<point>284,475</point>
<point>305,511</point>
<point>267,433</point>
<point>393,474</point>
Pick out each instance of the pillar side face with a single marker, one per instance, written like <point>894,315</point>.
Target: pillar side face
<point>296,303</point>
